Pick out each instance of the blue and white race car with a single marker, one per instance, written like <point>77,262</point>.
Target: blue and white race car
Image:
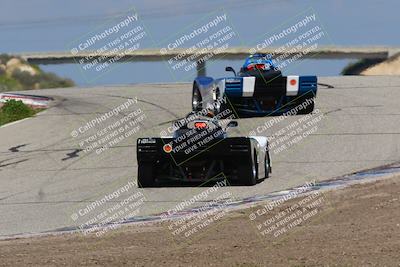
<point>258,89</point>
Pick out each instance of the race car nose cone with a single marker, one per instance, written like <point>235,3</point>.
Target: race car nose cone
<point>167,148</point>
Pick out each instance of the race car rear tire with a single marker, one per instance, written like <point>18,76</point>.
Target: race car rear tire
<point>196,98</point>
<point>266,168</point>
<point>309,106</point>
<point>145,174</point>
<point>249,172</point>
<point>267,165</point>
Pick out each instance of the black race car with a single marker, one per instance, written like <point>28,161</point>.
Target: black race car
<point>200,151</point>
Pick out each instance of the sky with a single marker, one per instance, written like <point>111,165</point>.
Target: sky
<point>51,25</point>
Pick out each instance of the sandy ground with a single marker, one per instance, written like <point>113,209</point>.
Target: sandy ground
<point>388,67</point>
<point>356,226</point>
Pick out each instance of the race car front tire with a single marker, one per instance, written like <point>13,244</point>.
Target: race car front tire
<point>196,98</point>
<point>145,174</point>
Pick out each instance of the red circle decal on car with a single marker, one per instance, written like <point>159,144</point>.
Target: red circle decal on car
<point>293,82</point>
<point>167,148</point>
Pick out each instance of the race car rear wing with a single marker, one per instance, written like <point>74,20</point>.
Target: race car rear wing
<point>278,86</point>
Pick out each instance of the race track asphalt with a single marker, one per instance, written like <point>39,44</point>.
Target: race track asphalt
<point>44,179</point>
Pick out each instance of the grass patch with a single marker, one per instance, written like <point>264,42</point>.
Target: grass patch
<point>14,110</point>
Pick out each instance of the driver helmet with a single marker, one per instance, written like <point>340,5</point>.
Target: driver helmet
<point>259,62</point>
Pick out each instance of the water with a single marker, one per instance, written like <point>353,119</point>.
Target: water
<point>52,25</point>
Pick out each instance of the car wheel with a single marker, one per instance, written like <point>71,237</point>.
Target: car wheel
<point>196,99</point>
<point>309,103</point>
<point>249,173</point>
<point>145,175</point>
<point>267,165</point>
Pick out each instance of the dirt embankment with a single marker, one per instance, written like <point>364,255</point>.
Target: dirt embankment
<point>357,226</point>
<point>388,67</point>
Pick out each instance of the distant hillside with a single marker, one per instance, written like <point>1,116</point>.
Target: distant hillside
<point>359,66</point>
<point>17,74</point>
<point>388,67</point>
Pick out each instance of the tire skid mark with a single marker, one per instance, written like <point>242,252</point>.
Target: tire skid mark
<point>63,168</point>
<point>16,148</point>
<point>146,102</point>
<point>3,164</point>
<point>326,85</point>
<point>72,155</point>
